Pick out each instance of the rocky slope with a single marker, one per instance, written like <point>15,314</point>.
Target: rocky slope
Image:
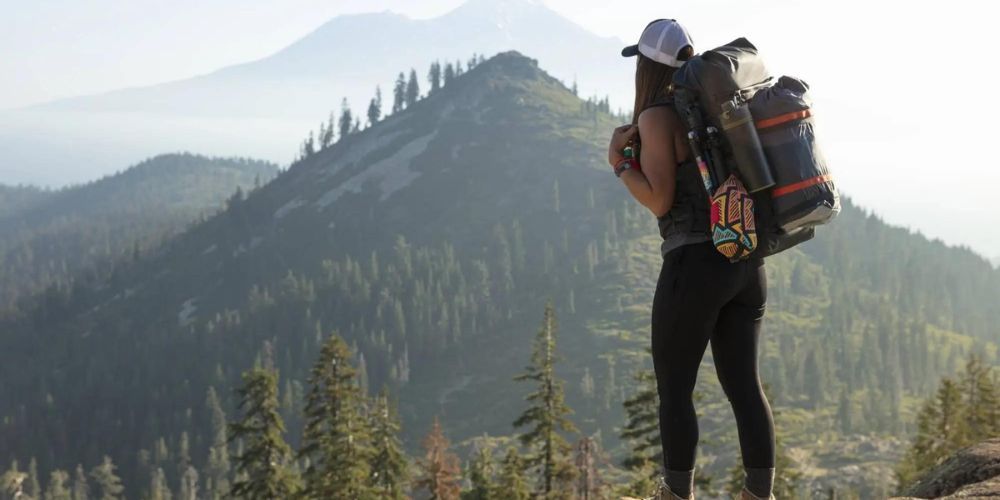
<point>972,472</point>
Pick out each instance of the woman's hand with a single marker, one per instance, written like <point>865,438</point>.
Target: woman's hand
<point>619,138</point>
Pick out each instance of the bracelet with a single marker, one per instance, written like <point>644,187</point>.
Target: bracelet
<point>626,164</point>
<point>621,167</point>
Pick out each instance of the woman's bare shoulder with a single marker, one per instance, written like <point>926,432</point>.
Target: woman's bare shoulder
<point>659,119</point>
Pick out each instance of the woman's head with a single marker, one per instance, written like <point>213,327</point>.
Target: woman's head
<point>663,47</point>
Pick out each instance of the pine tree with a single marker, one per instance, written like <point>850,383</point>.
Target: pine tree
<point>960,413</point>
<point>33,486</point>
<point>326,133</point>
<point>981,401</point>
<point>217,483</point>
<point>183,456</point>
<point>57,489</point>
<point>412,89</point>
<point>481,475</point>
<point>321,135</point>
<point>389,465</point>
<point>644,481</point>
<point>375,107</point>
<point>81,490</point>
<point>547,415</point>
<point>336,436</point>
<point>108,483</point>
<point>262,466</point>
<point>12,482</point>
<point>589,485</point>
<point>161,453</point>
<point>399,93</point>
<point>449,73</point>
<point>845,412</point>
<point>926,448</point>
<point>434,76</point>
<point>439,469</point>
<point>189,484</point>
<point>642,427</point>
<point>309,146</point>
<point>158,488</point>
<point>346,119</point>
<point>511,484</point>
<point>814,377</point>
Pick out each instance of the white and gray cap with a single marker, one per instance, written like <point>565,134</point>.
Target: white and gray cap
<point>662,41</point>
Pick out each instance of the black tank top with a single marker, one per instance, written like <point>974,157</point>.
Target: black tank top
<point>687,221</point>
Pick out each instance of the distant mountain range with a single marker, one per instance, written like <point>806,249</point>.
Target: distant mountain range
<point>55,237</point>
<point>431,242</point>
<point>264,108</point>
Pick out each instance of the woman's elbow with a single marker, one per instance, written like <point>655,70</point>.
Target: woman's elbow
<point>660,207</point>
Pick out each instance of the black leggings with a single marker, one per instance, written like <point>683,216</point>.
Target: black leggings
<point>702,297</point>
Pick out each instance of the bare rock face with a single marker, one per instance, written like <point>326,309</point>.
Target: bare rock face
<point>972,472</point>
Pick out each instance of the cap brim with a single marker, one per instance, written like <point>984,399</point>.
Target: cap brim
<point>630,51</point>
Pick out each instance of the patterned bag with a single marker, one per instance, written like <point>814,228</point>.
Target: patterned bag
<point>734,231</point>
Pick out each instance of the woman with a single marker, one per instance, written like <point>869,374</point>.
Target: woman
<point>700,296</point>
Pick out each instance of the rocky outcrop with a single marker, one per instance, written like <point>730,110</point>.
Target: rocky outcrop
<point>972,472</point>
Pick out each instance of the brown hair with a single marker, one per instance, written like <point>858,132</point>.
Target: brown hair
<point>652,80</point>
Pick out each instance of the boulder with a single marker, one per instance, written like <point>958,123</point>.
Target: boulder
<point>972,472</point>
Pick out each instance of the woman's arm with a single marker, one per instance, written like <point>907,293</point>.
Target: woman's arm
<point>654,186</point>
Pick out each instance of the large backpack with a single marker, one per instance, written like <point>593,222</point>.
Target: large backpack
<point>743,122</point>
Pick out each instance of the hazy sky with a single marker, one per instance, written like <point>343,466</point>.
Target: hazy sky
<point>61,48</point>
<point>903,89</point>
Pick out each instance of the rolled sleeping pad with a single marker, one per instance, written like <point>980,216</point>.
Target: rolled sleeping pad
<point>804,194</point>
<point>719,74</point>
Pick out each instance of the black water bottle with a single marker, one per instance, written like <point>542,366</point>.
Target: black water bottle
<point>738,125</point>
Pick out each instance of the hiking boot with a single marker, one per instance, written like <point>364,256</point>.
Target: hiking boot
<point>663,493</point>
<point>746,495</point>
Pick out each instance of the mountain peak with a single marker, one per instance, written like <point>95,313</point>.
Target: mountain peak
<point>500,12</point>
<point>501,4</point>
<point>511,63</point>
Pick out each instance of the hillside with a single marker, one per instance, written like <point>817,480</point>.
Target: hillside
<point>430,241</point>
<point>15,199</point>
<point>50,237</point>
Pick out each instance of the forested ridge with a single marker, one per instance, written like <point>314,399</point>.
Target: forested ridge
<point>52,237</point>
<point>428,242</point>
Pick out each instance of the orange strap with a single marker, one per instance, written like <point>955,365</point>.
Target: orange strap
<point>798,186</point>
<point>785,118</point>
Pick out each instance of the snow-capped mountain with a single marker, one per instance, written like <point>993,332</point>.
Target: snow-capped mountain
<point>264,108</point>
